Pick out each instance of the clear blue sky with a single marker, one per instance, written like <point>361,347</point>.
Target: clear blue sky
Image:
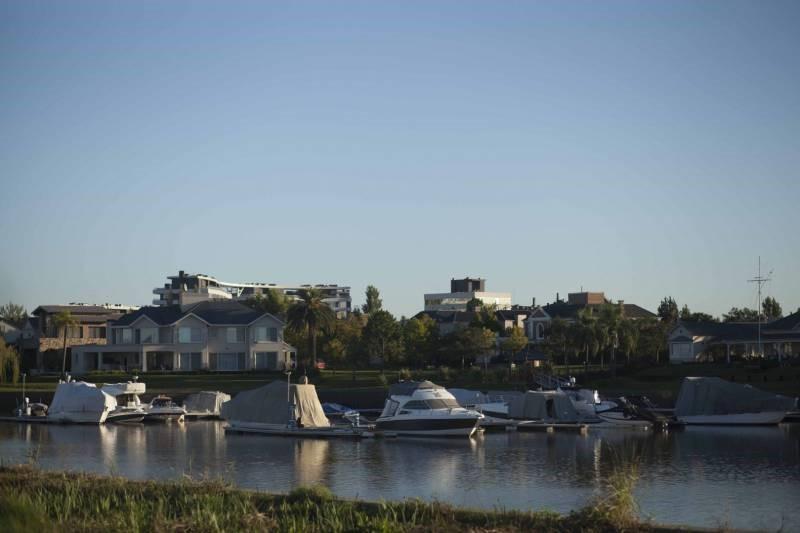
<point>639,148</point>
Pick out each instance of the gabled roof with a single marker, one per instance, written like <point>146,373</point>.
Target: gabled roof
<point>226,313</point>
<point>570,311</point>
<point>74,309</point>
<point>787,323</point>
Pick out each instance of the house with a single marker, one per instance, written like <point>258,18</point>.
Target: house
<point>185,289</point>
<point>539,319</point>
<point>462,292</point>
<point>41,341</point>
<point>708,341</point>
<point>9,332</point>
<point>209,335</point>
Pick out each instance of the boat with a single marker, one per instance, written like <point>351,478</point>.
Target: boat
<point>129,407</point>
<point>587,402</point>
<point>78,402</point>
<point>424,409</point>
<point>493,407</point>
<point>163,409</point>
<point>284,409</point>
<point>205,404</point>
<point>714,401</point>
<point>544,409</point>
<point>621,412</point>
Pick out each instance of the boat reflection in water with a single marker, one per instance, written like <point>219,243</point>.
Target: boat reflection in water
<point>706,472</point>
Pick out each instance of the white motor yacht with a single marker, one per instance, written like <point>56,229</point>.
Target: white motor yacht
<point>78,402</point>
<point>163,409</point>
<point>424,409</point>
<point>129,407</point>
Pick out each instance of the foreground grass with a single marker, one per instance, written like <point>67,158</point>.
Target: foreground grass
<point>33,500</point>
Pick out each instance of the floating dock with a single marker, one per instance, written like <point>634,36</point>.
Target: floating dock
<point>313,433</point>
<point>546,427</point>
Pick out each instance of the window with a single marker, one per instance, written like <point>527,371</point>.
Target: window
<point>266,360</point>
<point>235,335</point>
<point>148,335</point>
<point>127,336</point>
<point>261,334</point>
<point>188,334</point>
<point>273,334</point>
<point>416,404</point>
<point>191,360</point>
<point>442,403</point>
<point>74,332</point>
<point>539,331</point>
<point>97,332</point>
<point>230,361</point>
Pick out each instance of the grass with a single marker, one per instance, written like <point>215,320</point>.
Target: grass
<point>33,500</point>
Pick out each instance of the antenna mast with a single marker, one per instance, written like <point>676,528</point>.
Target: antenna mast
<point>760,280</point>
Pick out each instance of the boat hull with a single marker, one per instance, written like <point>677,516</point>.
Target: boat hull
<point>79,417</point>
<point>767,418</point>
<point>429,427</point>
<point>126,417</point>
<point>619,419</point>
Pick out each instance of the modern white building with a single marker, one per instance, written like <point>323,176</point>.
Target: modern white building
<point>185,289</point>
<point>462,291</point>
<point>210,335</point>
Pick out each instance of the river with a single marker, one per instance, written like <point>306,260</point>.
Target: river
<point>739,477</point>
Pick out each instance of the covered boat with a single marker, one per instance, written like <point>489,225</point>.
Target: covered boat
<point>79,402</point>
<point>704,400</point>
<point>277,406</point>
<point>422,408</point>
<point>546,406</point>
<point>205,404</point>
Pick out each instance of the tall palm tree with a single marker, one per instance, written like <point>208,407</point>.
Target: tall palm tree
<point>309,313</point>
<point>64,320</point>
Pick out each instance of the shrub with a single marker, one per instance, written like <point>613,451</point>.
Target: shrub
<point>404,374</point>
<point>445,373</point>
<point>382,380</point>
<point>314,493</point>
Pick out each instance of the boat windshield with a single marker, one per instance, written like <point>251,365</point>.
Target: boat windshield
<point>442,403</point>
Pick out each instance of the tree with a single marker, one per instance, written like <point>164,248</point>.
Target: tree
<point>13,313</point>
<point>685,313</point>
<point>272,301</point>
<point>9,363</point>
<point>474,304</point>
<point>420,336</point>
<point>485,318</point>
<point>310,314</point>
<point>514,341</point>
<point>668,310</point>
<point>771,308</point>
<point>471,342</point>
<point>382,336</point>
<point>64,320</point>
<point>652,336</point>
<point>374,302</point>
<point>740,315</point>
<point>557,340</point>
<point>688,316</point>
<point>629,338</point>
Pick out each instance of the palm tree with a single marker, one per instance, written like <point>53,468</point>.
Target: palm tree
<point>64,320</point>
<point>309,313</point>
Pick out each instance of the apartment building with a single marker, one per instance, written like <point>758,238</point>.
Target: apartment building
<point>185,289</point>
<point>464,290</point>
<point>209,335</point>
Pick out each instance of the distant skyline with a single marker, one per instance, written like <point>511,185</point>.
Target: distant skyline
<point>641,149</point>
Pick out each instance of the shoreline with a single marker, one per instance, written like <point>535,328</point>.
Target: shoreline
<point>34,499</point>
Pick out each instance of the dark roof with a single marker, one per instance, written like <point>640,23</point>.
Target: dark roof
<point>216,312</point>
<point>449,317</point>
<point>566,310</point>
<point>213,312</point>
<point>512,314</point>
<point>407,388</point>
<point>75,310</point>
<point>791,322</point>
<point>738,331</point>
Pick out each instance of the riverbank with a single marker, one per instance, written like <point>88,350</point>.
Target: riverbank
<point>34,500</point>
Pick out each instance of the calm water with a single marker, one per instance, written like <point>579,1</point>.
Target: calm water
<point>741,477</point>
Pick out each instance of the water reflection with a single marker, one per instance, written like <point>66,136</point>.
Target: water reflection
<point>705,472</point>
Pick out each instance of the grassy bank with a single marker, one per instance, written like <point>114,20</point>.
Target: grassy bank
<point>33,500</point>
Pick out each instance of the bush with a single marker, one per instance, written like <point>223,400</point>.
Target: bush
<point>314,493</point>
<point>444,373</point>
<point>382,380</point>
<point>404,374</point>
<point>476,375</point>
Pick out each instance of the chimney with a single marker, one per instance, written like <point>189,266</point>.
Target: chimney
<point>533,301</point>
<point>557,298</point>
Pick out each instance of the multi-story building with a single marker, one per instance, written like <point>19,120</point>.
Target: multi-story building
<point>185,289</point>
<point>463,291</point>
<point>210,335</point>
<point>41,341</point>
<point>539,319</point>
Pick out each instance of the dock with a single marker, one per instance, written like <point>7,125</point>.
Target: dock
<point>547,427</point>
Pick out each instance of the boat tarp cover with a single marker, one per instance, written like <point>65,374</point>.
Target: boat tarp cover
<point>206,402</point>
<point>715,396</point>
<point>78,396</point>
<point>543,405</point>
<point>268,405</point>
<point>407,388</point>
<point>467,397</point>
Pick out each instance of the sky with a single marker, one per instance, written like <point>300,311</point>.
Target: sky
<point>643,149</point>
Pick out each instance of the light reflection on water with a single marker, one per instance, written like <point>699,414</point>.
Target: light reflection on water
<point>742,477</point>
